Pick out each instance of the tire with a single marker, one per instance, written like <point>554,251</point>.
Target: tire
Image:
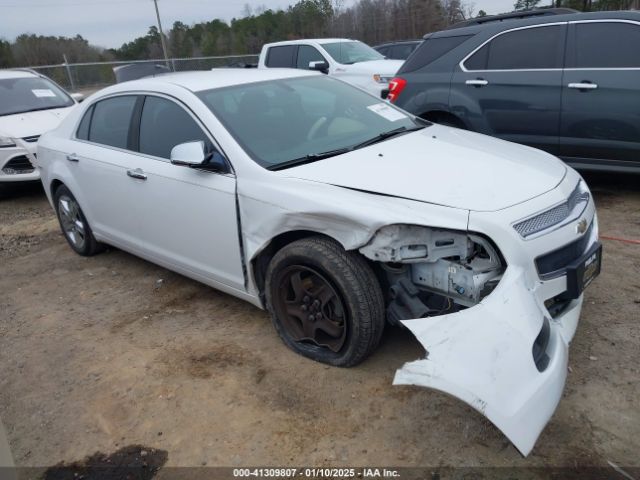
<point>74,225</point>
<point>316,277</point>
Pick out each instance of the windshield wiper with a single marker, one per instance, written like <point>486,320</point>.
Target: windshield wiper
<point>385,135</point>
<point>32,110</point>
<point>312,157</point>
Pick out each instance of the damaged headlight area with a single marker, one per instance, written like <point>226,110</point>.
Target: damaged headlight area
<point>432,271</point>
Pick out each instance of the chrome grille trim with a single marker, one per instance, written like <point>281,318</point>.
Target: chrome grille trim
<point>560,214</point>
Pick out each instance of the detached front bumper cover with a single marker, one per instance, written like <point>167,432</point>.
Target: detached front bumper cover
<point>484,356</point>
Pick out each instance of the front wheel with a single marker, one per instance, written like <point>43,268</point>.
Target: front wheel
<point>74,224</point>
<point>325,303</point>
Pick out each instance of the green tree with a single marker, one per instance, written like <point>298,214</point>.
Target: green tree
<point>522,5</point>
<point>6,55</point>
<point>141,48</point>
<point>180,44</point>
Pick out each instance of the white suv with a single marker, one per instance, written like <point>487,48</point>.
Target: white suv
<point>30,105</point>
<point>352,61</point>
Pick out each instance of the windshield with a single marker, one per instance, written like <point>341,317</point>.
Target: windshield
<point>279,121</point>
<point>351,52</point>
<point>27,94</point>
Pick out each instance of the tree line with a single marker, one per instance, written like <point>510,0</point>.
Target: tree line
<point>372,21</point>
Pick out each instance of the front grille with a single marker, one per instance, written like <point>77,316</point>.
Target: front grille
<point>553,216</point>
<point>551,264</point>
<point>18,165</point>
<point>31,139</point>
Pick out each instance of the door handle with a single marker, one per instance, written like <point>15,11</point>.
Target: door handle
<point>73,158</point>
<point>137,173</point>
<point>583,86</point>
<point>478,82</point>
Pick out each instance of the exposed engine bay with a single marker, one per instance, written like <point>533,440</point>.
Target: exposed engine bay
<point>432,271</point>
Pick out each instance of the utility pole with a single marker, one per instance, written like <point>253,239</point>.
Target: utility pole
<point>66,64</point>
<point>164,45</point>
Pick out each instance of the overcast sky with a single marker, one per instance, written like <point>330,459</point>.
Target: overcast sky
<point>110,23</point>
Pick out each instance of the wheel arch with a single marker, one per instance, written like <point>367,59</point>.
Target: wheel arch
<point>54,185</point>
<point>446,117</point>
<point>260,262</point>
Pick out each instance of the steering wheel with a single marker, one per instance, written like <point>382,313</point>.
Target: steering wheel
<point>315,128</point>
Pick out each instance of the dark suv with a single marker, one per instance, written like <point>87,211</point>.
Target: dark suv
<point>565,83</point>
<point>398,50</point>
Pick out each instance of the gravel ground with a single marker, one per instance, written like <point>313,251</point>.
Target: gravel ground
<point>97,354</point>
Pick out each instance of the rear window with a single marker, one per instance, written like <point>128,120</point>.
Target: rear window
<point>430,50</point>
<point>281,57</point>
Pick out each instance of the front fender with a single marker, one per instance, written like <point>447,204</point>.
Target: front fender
<point>269,208</point>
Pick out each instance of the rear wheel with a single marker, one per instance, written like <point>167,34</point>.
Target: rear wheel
<point>74,224</point>
<point>325,303</point>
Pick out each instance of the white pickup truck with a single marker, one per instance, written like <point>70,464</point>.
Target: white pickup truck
<point>351,60</point>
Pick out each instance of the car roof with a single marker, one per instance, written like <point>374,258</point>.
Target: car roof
<point>197,81</point>
<point>320,41</point>
<point>399,42</point>
<point>16,73</point>
<point>507,23</point>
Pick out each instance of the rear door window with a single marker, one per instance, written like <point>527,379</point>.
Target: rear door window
<point>604,45</point>
<point>281,57</point>
<point>111,120</point>
<point>526,49</point>
<point>431,50</point>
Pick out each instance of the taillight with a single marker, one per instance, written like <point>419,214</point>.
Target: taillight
<point>396,85</point>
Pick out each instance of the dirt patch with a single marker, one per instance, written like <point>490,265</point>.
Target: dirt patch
<point>21,244</point>
<point>205,362</point>
<point>166,300</point>
<point>131,462</point>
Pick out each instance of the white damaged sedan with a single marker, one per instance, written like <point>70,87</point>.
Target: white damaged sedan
<point>338,213</point>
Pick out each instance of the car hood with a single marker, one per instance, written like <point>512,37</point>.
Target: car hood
<point>381,67</point>
<point>28,124</point>
<point>444,166</point>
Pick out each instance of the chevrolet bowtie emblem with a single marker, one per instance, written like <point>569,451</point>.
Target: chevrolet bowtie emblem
<point>581,227</point>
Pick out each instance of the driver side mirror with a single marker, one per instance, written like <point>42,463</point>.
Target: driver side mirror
<point>321,66</point>
<point>78,97</point>
<point>193,155</point>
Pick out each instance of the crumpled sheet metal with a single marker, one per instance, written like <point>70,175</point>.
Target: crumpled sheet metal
<point>483,356</point>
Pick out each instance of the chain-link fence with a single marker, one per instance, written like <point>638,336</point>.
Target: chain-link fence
<point>92,76</point>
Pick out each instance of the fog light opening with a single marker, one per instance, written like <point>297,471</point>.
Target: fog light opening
<point>540,344</point>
